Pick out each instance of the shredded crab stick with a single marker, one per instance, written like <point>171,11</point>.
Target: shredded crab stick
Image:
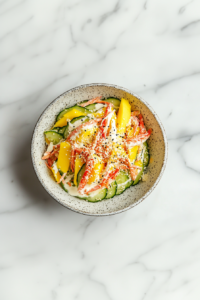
<point>142,127</point>
<point>133,168</point>
<point>51,160</point>
<point>62,178</point>
<point>49,154</point>
<point>133,127</point>
<point>47,165</point>
<point>83,151</point>
<point>134,122</point>
<point>101,134</point>
<point>86,175</point>
<point>141,138</point>
<point>95,100</point>
<point>105,181</point>
<point>82,126</point>
<point>107,178</point>
<point>135,113</point>
<point>73,155</point>
<point>106,121</point>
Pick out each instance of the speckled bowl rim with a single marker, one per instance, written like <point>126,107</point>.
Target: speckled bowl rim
<point>164,160</point>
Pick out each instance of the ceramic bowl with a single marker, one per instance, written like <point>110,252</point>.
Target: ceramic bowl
<point>132,196</point>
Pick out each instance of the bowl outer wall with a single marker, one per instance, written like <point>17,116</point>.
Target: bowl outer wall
<point>132,196</point>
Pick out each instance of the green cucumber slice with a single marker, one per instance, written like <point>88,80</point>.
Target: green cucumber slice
<point>139,176</point>
<point>140,156</point>
<point>62,129</point>
<point>75,122</point>
<point>80,174</point>
<point>82,102</point>
<point>94,107</point>
<point>146,154</point>
<point>116,102</point>
<point>64,111</point>
<point>66,131</point>
<point>64,186</point>
<point>91,107</point>
<point>129,183</point>
<point>122,180</point>
<point>112,190</point>
<point>95,196</point>
<point>53,136</point>
<point>82,118</point>
<point>56,129</point>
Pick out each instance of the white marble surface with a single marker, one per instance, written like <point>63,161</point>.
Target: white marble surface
<point>151,252</point>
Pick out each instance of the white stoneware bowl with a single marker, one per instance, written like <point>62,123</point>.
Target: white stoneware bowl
<point>132,196</point>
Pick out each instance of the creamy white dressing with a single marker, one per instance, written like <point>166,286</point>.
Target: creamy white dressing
<point>73,191</point>
<point>112,137</point>
<point>68,177</point>
<point>74,125</point>
<point>123,183</point>
<point>50,147</point>
<point>99,105</point>
<point>54,167</point>
<point>140,152</point>
<point>90,186</point>
<point>74,136</point>
<point>129,122</point>
<point>109,116</point>
<point>70,126</point>
<point>145,177</point>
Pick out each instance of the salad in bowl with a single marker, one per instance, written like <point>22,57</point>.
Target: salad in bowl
<point>97,148</point>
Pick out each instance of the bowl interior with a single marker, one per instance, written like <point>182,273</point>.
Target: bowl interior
<point>133,195</point>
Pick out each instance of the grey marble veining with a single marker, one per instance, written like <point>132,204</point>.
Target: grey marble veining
<point>150,252</point>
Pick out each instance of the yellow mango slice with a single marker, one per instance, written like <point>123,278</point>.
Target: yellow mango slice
<point>97,170</point>
<point>138,163</point>
<point>78,164</point>
<point>64,157</point>
<point>130,131</point>
<point>114,117</point>
<point>117,152</point>
<point>69,116</point>
<point>100,113</point>
<point>86,135</point>
<point>123,116</point>
<point>47,141</point>
<point>137,131</point>
<point>56,175</point>
<point>132,153</point>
